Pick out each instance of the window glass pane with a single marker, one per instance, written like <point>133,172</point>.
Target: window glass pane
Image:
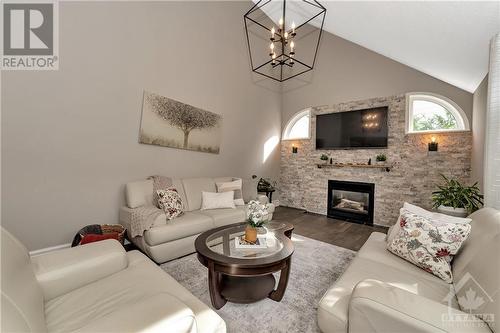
<point>300,129</point>
<point>432,116</point>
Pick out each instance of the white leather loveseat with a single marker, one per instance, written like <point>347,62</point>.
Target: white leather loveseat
<point>96,287</point>
<point>380,292</point>
<point>173,239</point>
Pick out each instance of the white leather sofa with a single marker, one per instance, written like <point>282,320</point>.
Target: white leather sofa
<point>380,292</point>
<point>96,287</point>
<point>173,239</point>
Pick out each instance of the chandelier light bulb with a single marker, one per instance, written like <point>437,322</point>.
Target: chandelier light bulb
<point>292,45</point>
<point>271,46</point>
<point>286,35</point>
<point>281,22</point>
<point>272,32</point>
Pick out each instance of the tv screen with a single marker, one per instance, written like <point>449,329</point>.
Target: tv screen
<point>353,129</point>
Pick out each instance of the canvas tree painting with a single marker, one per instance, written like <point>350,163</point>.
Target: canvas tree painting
<point>169,123</point>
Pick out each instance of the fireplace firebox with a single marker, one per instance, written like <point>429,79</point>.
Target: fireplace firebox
<point>351,201</point>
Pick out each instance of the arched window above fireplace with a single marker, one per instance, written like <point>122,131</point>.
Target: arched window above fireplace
<point>298,127</point>
<point>426,112</point>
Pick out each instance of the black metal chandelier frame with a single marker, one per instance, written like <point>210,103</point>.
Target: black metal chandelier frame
<point>283,59</point>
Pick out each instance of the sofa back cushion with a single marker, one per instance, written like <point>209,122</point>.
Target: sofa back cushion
<point>193,188</point>
<point>139,193</point>
<point>22,298</point>
<point>477,265</point>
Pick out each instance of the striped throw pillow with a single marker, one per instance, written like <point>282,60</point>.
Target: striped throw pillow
<point>234,185</point>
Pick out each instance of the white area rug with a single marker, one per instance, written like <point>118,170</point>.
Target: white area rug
<point>315,266</point>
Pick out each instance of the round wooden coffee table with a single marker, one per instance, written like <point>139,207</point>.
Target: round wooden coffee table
<point>245,275</point>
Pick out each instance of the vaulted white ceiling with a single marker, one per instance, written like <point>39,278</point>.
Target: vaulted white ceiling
<point>447,39</point>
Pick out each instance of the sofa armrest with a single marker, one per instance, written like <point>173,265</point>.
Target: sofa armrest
<point>62,271</point>
<point>376,306</point>
<point>125,218</point>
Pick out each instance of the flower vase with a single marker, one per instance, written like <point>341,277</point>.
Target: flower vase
<point>251,234</point>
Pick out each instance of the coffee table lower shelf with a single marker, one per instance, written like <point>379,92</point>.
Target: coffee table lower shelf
<point>246,289</point>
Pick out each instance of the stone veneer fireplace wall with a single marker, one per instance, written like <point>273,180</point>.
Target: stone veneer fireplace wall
<point>415,174</point>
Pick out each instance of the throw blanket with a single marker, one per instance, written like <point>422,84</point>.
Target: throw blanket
<point>159,183</point>
<point>142,219</point>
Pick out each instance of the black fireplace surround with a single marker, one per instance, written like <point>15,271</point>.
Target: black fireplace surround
<point>351,201</point>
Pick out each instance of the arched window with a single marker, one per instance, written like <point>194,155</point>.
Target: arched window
<point>298,126</point>
<point>427,112</point>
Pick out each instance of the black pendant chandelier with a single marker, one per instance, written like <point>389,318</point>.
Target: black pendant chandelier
<point>283,36</point>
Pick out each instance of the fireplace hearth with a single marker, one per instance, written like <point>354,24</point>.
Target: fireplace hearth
<point>351,201</point>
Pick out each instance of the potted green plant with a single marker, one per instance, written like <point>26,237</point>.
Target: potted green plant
<point>324,158</point>
<point>381,159</point>
<point>257,216</point>
<point>456,199</point>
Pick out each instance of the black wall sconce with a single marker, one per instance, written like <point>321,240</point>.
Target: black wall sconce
<point>433,145</point>
<point>294,148</point>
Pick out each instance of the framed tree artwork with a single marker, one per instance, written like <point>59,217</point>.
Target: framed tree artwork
<point>170,123</point>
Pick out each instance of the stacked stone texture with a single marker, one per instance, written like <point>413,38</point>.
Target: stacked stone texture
<point>415,175</point>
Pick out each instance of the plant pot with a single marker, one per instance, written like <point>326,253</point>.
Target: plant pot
<point>458,212</point>
<point>251,234</point>
<point>380,162</point>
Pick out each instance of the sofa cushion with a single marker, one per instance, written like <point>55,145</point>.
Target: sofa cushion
<point>188,224</point>
<point>139,193</point>
<point>226,216</point>
<point>211,200</point>
<point>333,307</point>
<point>140,281</point>
<point>193,188</point>
<point>177,184</point>
<point>152,310</point>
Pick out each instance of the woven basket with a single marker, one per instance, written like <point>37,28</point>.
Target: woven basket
<point>100,229</point>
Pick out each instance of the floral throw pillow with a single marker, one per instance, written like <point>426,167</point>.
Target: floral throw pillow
<point>171,202</point>
<point>429,246</point>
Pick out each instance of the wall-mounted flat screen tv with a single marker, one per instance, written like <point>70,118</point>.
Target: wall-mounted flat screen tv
<point>352,129</point>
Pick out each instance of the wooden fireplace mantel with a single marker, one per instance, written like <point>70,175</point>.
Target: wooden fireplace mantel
<point>386,167</point>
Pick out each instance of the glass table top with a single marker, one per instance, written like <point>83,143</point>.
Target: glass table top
<point>224,242</point>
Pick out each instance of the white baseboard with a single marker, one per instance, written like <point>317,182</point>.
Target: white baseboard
<point>49,249</point>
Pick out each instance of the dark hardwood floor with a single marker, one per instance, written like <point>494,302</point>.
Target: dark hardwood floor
<point>341,233</point>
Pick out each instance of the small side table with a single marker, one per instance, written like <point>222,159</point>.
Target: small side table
<point>269,194</point>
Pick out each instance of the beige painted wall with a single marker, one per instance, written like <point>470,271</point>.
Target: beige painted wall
<point>70,137</point>
<point>346,72</point>
<point>478,131</point>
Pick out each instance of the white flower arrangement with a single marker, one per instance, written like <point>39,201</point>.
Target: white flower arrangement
<point>257,213</point>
